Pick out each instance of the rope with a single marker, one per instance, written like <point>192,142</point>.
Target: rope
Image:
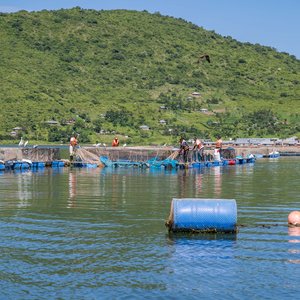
<point>173,155</point>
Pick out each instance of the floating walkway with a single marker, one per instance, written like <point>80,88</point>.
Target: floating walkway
<point>27,165</point>
<point>26,159</point>
<point>172,163</point>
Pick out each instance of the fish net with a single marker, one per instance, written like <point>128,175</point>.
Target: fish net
<point>33,154</point>
<point>86,156</point>
<point>228,153</point>
<point>92,154</point>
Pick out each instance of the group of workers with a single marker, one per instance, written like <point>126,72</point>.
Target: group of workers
<point>74,145</point>
<point>198,149</point>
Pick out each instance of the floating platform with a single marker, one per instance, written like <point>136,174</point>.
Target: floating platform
<point>172,163</point>
<point>57,164</point>
<point>38,164</point>
<point>92,157</point>
<point>272,154</point>
<point>27,165</point>
<point>83,165</point>
<point>121,163</point>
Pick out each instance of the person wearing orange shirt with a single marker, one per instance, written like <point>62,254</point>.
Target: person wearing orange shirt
<point>115,142</point>
<point>73,144</point>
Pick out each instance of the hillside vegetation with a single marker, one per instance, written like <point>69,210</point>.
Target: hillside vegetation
<point>102,73</point>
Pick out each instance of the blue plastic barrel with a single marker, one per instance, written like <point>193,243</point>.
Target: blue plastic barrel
<point>38,164</point>
<point>92,166</point>
<point>225,162</point>
<point>194,214</point>
<point>57,164</point>
<point>21,165</point>
<point>77,164</point>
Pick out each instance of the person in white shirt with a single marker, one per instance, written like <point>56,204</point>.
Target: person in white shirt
<point>198,150</point>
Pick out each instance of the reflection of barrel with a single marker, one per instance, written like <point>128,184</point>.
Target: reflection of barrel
<point>204,215</point>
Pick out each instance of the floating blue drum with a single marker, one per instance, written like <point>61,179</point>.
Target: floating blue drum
<point>203,215</point>
<point>84,165</point>
<point>225,162</point>
<point>58,164</point>
<point>21,165</point>
<point>196,165</point>
<point>38,164</point>
<point>89,165</point>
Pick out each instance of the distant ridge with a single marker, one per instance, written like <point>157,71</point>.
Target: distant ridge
<point>106,73</point>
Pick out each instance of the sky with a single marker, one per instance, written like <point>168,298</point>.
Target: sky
<point>274,23</point>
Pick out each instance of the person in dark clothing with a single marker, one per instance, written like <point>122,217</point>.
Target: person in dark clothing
<point>184,149</point>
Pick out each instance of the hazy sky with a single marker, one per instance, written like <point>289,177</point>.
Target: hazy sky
<point>274,23</point>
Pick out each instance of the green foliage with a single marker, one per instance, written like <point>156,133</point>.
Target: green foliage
<point>123,118</point>
<point>111,71</point>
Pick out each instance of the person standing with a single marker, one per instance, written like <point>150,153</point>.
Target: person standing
<point>218,149</point>
<point>73,144</point>
<point>115,142</point>
<point>184,149</point>
<point>198,150</point>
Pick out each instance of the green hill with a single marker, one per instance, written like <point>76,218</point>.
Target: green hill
<point>102,73</point>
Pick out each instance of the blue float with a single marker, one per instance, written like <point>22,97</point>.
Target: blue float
<point>225,162</point>
<point>84,165</point>
<point>203,215</point>
<point>58,164</point>
<point>38,164</point>
<point>20,165</point>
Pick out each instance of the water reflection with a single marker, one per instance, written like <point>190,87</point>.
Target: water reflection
<point>243,169</point>
<point>72,189</point>
<point>199,182</point>
<point>24,181</point>
<point>187,238</point>
<point>202,256</point>
<point>294,233</point>
<point>217,181</point>
<point>182,178</point>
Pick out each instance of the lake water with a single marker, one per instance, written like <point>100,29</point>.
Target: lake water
<point>100,234</point>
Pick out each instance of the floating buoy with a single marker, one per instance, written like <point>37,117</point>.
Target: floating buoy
<point>38,164</point>
<point>294,218</point>
<point>202,215</point>
<point>58,164</point>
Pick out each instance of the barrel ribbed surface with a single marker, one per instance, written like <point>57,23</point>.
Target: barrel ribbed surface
<point>204,214</point>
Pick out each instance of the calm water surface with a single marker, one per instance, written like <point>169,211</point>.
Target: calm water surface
<point>100,234</point>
